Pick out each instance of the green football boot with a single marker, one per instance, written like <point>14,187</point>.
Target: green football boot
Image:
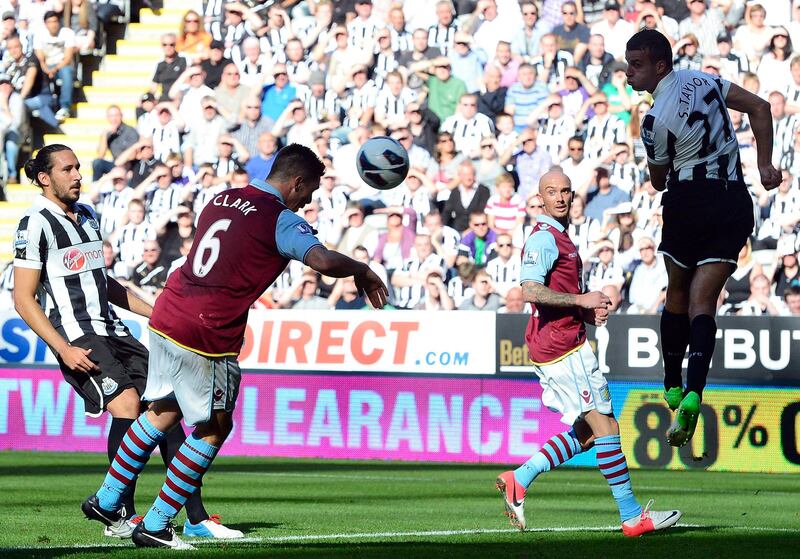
<point>682,428</point>
<point>673,397</point>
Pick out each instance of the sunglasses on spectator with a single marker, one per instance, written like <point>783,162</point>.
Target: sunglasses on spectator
<point>191,21</point>
<point>207,107</point>
<point>569,13</point>
<point>575,149</point>
<point>253,106</point>
<point>151,250</point>
<point>504,245</point>
<point>280,74</point>
<point>167,44</point>
<point>530,13</point>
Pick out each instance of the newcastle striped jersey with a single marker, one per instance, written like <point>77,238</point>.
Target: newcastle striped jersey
<point>73,286</point>
<point>688,129</point>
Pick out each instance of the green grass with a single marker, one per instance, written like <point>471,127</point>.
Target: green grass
<point>725,515</point>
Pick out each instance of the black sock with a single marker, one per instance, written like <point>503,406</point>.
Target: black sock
<point>701,348</point>
<point>674,341</point>
<point>195,511</point>
<point>120,426</point>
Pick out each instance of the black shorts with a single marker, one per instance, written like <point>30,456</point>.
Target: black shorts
<point>122,362</point>
<point>706,221</point>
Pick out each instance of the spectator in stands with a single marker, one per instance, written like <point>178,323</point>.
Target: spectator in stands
<point>478,243</point>
<point>139,160</point>
<point>422,52</point>
<point>409,281</point>
<point>436,297</point>
<point>515,303</point>
<point>167,130</point>
<point>424,125</point>
<point>602,195</point>
<point>111,196</point>
<point>116,138</point>
<point>687,53</point>
<point>468,196</point>
<point>169,68</point>
<point>445,240</point>
<point>467,63</point>
<point>483,298</point>
<point>414,193</point>
<point>506,135</point>
<point>444,90</point>
<point>241,22</point>
<point>231,155</point>
<point>347,296</point>
<point>647,291</point>
<point>12,122</point>
<point>55,49</point>
<point>277,96</point>
<point>391,102</point>
<point>603,130</point>
<point>555,127</point>
<point>193,40</point>
<point>525,42</point>
<point>81,17</point>
<point>109,11</point>
<point>492,100</point>
<point>505,210</point>
<point>504,268</point>
<point>760,302</point>
<point>8,29</point>
<point>214,64</point>
<point>524,96</point>
<point>468,126</point>
<point>129,240</point>
<point>400,36</point>
<point>173,228</point>
<point>577,90</point>
<point>596,62</point>
<point>573,36</point>
<point>737,287</point>
<point>615,30</point>
<point>441,34</point>
<point>752,38</point>
<point>200,145</point>
<point>304,295</point>
<point>151,274</point>
<point>114,268</point>
<point>231,94</point>
<point>205,185</point>
<point>355,232</point>
<point>551,63</point>
<point>605,271</point>
<point>459,287</point>
<point>531,162</point>
<point>787,269</point>
<point>395,245</point>
<point>489,165</point>
<point>791,297</point>
<point>259,165</point>
<point>145,117</point>
<point>188,92</point>
<point>254,65</point>
<point>774,65</point>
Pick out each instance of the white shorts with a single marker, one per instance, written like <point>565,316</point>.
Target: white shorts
<point>199,384</point>
<point>574,385</point>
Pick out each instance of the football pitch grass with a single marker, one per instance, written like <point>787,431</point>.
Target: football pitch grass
<point>316,508</point>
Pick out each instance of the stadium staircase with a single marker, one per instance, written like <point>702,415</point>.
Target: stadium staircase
<point>121,79</point>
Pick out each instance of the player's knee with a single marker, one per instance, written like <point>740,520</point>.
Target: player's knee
<point>125,404</point>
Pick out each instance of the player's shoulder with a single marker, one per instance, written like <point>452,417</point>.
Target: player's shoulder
<point>543,235</point>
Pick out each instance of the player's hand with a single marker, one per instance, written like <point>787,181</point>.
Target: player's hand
<point>376,290</point>
<point>770,176</point>
<point>594,300</point>
<point>77,359</point>
<point>600,316</point>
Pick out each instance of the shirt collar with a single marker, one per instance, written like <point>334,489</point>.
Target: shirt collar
<point>41,201</point>
<point>266,187</point>
<point>665,82</point>
<point>551,222</point>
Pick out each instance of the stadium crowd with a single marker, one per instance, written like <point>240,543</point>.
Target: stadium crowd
<point>485,96</point>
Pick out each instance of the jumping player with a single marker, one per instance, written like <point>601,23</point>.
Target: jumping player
<point>58,258</point>
<point>572,384</point>
<point>692,151</point>
<point>244,240</point>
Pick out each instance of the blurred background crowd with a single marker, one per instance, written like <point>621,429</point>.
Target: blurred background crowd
<point>485,96</point>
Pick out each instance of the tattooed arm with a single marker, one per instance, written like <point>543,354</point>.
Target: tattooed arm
<point>539,294</point>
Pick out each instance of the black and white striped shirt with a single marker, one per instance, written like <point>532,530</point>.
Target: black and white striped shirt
<point>408,297</point>
<point>361,32</point>
<point>459,291</point>
<point>783,130</point>
<point>689,129</point>
<point>361,98</point>
<point>401,40</point>
<point>554,74</point>
<point>467,133</point>
<point>624,176</point>
<point>159,201</point>
<point>505,275</point>
<point>442,37</point>
<point>601,135</point>
<point>392,107</point>
<point>554,133</point>
<point>73,288</point>
<point>130,241</point>
<point>112,207</point>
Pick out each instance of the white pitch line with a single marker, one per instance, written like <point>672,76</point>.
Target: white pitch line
<point>416,534</point>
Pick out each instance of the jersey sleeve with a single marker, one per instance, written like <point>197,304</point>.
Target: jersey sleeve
<point>30,243</point>
<point>294,236</point>
<point>538,257</point>
<point>655,137</point>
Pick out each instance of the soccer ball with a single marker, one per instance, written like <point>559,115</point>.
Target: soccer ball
<point>382,162</point>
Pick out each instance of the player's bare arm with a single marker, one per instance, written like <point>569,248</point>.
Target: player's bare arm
<point>761,121</point>
<point>126,299</point>
<point>26,280</point>
<point>539,294</point>
<point>336,265</point>
<point>658,175</point>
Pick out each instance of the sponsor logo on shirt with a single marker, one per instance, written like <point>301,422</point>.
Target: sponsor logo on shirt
<point>605,394</point>
<point>585,395</point>
<point>93,224</point>
<point>109,386</point>
<point>74,260</point>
